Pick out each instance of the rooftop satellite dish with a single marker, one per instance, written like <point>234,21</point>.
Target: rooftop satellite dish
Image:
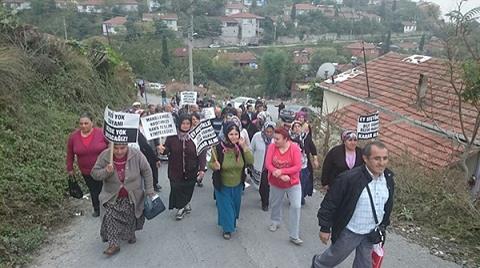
<point>326,70</point>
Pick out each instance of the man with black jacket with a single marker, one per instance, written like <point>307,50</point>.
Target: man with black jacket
<point>346,215</point>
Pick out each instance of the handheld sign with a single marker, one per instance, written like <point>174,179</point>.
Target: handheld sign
<point>120,127</point>
<point>158,125</point>
<point>188,98</point>
<point>203,135</point>
<point>368,126</point>
<point>209,113</point>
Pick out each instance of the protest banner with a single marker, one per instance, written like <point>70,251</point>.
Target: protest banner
<point>203,135</point>
<point>120,127</point>
<point>209,113</point>
<point>158,125</point>
<point>188,98</point>
<point>368,126</point>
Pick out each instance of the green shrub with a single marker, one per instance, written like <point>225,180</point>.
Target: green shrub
<point>39,108</point>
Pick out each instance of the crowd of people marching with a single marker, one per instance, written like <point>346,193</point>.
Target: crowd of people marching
<point>276,158</point>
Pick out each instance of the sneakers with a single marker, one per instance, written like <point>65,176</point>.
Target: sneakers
<point>188,209</point>
<point>200,184</point>
<point>180,214</point>
<point>157,188</point>
<point>273,227</point>
<point>296,241</point>
<point>265,207</point>
<point>227,235</point>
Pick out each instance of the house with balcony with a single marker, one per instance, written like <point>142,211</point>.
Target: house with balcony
<point>241,28</point>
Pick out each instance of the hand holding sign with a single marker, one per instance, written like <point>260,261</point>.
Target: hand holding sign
<point>160,148</point>
<point>216,166</point>
<point>109,168</point>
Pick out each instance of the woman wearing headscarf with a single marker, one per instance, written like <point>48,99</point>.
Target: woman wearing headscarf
<point>341,158</point>
<point>298,136</point>
<point>229,159</point>
<point>126,181</point>
<point>259,144</point>
<point>86,143</point>
<point>311,151</point>
<point>185,168</point>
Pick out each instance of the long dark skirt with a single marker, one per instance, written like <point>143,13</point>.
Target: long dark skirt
<point>180,193</point>
<point>119,222</point>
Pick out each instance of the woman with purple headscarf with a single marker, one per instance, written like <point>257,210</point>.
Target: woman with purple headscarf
<point>341,158</point>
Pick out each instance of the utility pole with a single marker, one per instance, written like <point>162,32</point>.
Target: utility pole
<point>366,70</point>
<point>65,28</point>
<point>190,52</point>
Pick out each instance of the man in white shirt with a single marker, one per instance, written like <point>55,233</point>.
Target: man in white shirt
<point>346,214</point>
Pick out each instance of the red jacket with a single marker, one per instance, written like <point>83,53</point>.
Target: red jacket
<point>86,156</point>
<point>290,163</point>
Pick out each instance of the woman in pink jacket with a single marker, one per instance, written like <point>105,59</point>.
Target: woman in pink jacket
<point>85,144</point>
<point>284,162</point>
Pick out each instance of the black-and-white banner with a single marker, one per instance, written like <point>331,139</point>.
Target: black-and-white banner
<point>209,112</point>
<point>188,98</point>
<point>158,125</point>
<point>203,135</point>
<point>120,127</point>
<point>368,126</point>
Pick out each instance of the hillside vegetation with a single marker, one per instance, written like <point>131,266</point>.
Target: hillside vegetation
<point>44,84</point>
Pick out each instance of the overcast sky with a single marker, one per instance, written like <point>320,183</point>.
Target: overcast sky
<point>449,5</point>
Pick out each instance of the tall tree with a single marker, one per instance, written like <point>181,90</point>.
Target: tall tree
<point>421,44</point>
<point>462,44</point>
<point>165,52</point>
<point>273,69</point>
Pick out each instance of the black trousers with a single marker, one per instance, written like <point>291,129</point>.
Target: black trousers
<point>264,188</point>
<point>95,187</point>
<point>153,166</point>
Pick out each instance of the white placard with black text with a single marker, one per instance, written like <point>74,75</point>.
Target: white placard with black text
<point>120,127</point>
<point>368,126</point>
<point>188,98</point>
<point>158,125</point>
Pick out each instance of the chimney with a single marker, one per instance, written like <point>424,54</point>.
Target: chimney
<point>422,88</point>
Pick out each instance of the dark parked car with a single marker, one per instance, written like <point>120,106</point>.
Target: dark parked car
<point>288,114</point>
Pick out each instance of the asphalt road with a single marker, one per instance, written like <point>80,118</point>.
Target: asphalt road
<point>196,241</point>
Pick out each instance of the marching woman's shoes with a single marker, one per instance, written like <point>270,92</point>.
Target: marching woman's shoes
<point>111,250</point>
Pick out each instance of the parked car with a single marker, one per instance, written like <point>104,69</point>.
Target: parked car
<point>214,46</point>
<point>242,100</point>
<point>288,114</point>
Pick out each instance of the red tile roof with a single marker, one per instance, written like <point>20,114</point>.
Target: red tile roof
<point>245,15</point>
<point>235,6</point>
<point>168,16</point>
<point>305,6</point>
<point>402,138</point>
<point>116,21</point>
<point>241,57</point>
<point>393,86</point>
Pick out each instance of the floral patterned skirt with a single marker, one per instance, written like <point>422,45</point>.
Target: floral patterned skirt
<point>119,222</point>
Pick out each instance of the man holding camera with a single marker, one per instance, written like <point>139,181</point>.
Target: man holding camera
<point>356,210</point>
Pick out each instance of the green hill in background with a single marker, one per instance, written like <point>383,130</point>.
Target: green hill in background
<point>45,83</point>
